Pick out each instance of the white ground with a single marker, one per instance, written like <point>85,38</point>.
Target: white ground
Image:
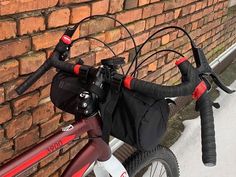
<point>188,147</point>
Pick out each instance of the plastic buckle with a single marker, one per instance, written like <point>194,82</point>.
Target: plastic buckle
<point>116,82</point>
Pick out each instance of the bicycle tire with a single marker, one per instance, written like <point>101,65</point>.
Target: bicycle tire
<point>137,163</point>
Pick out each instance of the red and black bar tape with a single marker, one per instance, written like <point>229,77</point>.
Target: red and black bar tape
<point>199,90</point>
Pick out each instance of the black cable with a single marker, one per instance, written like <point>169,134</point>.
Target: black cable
<point>164,50</point>
<point>106,16</point>
<point>169,27</point>
<point>105,44</point>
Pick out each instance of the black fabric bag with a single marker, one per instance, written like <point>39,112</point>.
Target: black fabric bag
<point>137,119</point>
<point>129,116</point>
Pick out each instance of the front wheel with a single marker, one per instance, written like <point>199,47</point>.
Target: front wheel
<point>160,162</point>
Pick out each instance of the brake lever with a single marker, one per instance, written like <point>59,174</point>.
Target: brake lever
<point>204,69</point>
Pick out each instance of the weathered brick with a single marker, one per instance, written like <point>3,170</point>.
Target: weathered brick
<point>160,19</point>
<point>31,62</point>
<point>27,139</point>
<point>67,117</point>
<point>29,25</point>
<point>45,92</point>
<point>94,43</point>
<point>6,151</point>
<point>15,6</point>
<point>46,40</point>
<point>62,2</point>
<point>100,7</point>
<point>89,59</point>
<point>116,6</point>
<point>152,67</point>
<point>9,70</point>
<point>5,113</point>
<point>8,29</point>
<point>119,47</point>
<point>25,103</point>
<point>20,47</point>
<point>131,4</point>
<point>59,18</point>
<point>79,13</point>
<point>79,48</point>
<point>19,124</point>
<point>43,113</point>
<point>49,159</point>
<point>113,35</point>
<point>150,22</point>
<point>138,39</point>
<point>2,95</point>
<point>143,2</point>
<point>129,16</point>
<point>1,135</point>
<point>165,39</point>
<point>139,26</point>
<point>152,10</point>
<point>50,126</point>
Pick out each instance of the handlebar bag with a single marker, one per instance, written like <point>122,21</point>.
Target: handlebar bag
<point>138,120</point>
<point>65,90</point>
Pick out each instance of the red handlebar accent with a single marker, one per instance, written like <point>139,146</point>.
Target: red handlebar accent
<point>181,60</point>
<point>77,69</point>
<point>127,82</point>
<point>199,90</point>
<point>66,39</point>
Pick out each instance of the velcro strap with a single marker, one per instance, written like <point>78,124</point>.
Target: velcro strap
<point>117,81</point>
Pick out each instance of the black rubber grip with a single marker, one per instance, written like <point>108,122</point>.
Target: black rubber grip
<point>33,78</point>
<point>204,104</point>
<point>190,80</point>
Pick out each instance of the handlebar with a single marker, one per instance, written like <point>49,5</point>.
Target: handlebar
<point>192,83</point>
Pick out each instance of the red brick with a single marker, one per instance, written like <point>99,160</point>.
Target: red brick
<point>100,7</point>
<point>177,13</point>
<point>112,36</point>
<point>50,126</point>
<point>196,16</point>
<point>25,103</point>
<point>14,6</point>
<point>89,59</point>
<point>9,70</point>
<point>154,1</point>
<point>31,24</point>
<point>103,54</point>
<point>27,139</point>
<point>62,2</point>
<point>94,43</point>
<point>79,48</point>
<point>153,10</point>
<point>94,26</point>
<point>165,39</point>
<point>143,2</point>
<point>116,6</point>
<point>2,95</point>
<point>138,39</point>
<point>146,48</point>
<point>1,136</point>
<point>30,63</point>
<point>79,13</point>
<point>129,16</point>
<point>119,47</point>
<point>20,47</point>
<point>46,40</point>
<point>18,125</point>
<point>59,18</point>
<point>8,29</point>
<point>45,92</point>
<point>6,151</point>
<point>131,4</point>
<point>160,19</point>
<point>130,27</point>
<point>5,113</point>
<point>42,113</point>
<point>169,16</point>
<point>67,117</point>
<point>152,67</point>
<point>150,22</point>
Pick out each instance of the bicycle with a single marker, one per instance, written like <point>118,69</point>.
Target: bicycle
<point>97,150</point>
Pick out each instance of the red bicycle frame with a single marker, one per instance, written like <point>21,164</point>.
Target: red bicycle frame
<point>95,149</point>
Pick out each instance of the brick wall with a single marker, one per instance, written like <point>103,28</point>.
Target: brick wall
<point>30,29</point>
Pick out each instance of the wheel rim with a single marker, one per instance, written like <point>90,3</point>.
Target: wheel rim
<point>157,168</point>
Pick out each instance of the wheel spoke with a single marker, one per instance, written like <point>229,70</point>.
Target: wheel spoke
<point>161,170</point>
<point>155,170</point>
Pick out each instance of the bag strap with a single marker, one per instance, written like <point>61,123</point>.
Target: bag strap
<point>110,108</point>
